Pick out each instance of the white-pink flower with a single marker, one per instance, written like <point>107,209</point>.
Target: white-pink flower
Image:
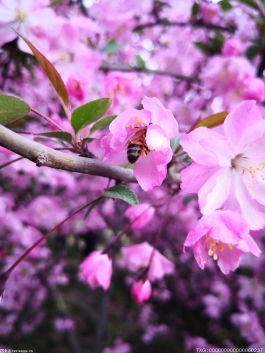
<point>228,169</point>
<point>27,17</point>
<point>151,128</point>
<point>96,270</point>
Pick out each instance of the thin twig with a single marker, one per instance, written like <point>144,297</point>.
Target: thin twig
<point>46,235</point>
<point>122,68</point>
<point>49,120</point>
<point>10,162</point>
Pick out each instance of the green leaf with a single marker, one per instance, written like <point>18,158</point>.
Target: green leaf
<point>50,71</point>
<point>212,120</point>
<point>252,51</point>
<point>56,2</point>
<point>249,3</point>
<point>123,193</point>
<point>203,47</point>
<point>225,5</point>
<point>60,135</point>
<point>140,62</point>
<point>102,123</point>
<point>87,140</point>
<point>12,109</point>
<point>111,47</point>
<point>195,9</point>
<point>217,42</point>
<point>88,113</point>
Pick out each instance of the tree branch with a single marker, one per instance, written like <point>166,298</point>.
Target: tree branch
<point>106,68</point>
<point>192,23</point>
<point>46,156</point>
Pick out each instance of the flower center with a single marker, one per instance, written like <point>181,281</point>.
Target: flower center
<point>66,57</point>
<point>21,15</point>
<point>135,122</point>
<point>215,247</point>
<point>252,170</point>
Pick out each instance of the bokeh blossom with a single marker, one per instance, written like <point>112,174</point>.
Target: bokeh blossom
<point>96,270</point>
<point>141,256</point>
<point>140,215</point>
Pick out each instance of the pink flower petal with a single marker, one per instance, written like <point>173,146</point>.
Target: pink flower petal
<point>239,120</point>
<point>206,147</point>
<point>229,260</point>
<point>194,176</point>
<point>156,138</point>
<point>215,191</point>
<point>151,170</point>
<point>250,209</point>
<point>161,116</point>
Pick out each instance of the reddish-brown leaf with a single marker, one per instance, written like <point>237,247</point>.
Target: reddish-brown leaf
<point>50,71</point>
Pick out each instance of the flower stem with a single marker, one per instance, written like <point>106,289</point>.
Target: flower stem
<point>41,239</point>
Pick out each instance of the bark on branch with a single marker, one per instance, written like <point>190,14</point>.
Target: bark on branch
<point>45,156</point>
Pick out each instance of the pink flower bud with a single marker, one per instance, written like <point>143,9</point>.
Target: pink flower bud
<point>96,270</point>
<point>141,291</point>
<point>75,88</point>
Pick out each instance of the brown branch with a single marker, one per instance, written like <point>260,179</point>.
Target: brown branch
<point>46,156</point>
<point>194,24</point>
<point>117,67</point>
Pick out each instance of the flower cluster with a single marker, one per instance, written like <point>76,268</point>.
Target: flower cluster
<point>189,59</point>
<point>227,173</point>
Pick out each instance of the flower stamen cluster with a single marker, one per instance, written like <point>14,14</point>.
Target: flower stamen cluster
<point>215,247</point>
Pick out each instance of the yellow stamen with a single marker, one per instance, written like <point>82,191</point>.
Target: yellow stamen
<point>136,122</point>
<point>216,247</point>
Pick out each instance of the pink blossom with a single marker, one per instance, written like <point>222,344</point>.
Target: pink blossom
<point>254,89</point>
<point>140,215</point>
<point>119,16</point>
<point>141,291</point>
<point>232,47</point>
<point>143,255</point>
<point>223,236</point>
<point>228,169</point>
<point>155,125</point>
<point>123,89</point>
<point>96,270</point>
<point>223,74</point>
<point>209,12</point>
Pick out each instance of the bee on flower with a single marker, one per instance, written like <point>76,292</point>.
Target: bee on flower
<point>142,137</point>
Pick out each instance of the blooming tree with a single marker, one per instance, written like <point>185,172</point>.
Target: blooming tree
<point>132,138</point>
